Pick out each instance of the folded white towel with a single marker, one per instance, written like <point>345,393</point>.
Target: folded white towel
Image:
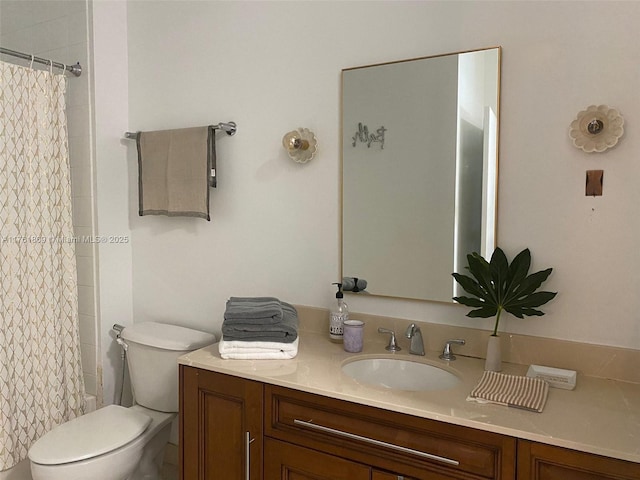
<point>240,350</point>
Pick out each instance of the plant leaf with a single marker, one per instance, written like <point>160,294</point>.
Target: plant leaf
<point>469,285</point>
<point>481,270</point>
<point>470,301</point>
<point>484,312</point>
<point>499,268</point>
<point>499,286</point>
<point>530,284</point>
<point>517,271</point>
<point>516,311</point>
<point>534,300</point>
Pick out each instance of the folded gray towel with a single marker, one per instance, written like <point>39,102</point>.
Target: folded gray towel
<point>253,310</point>
<point>285,331</point>
<point>252,299</point>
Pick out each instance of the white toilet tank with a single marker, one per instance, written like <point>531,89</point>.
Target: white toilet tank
<point>152,356</point>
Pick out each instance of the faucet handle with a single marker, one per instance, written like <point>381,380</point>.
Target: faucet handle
<point>447,354</point>
<point>393,345</point>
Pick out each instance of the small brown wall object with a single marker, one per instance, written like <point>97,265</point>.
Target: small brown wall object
<point>594,182</point>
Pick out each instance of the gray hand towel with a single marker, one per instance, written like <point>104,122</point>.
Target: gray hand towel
<point>256,310</point>
<point>286,331</point>
<point>252,299</point>
<point>174,168</point>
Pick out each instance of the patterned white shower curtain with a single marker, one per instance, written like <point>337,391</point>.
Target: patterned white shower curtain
<point>41,381</point>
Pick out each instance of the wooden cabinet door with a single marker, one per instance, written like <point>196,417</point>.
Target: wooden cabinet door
<point>285,461</point>
<point>537,461</point>
<point>220,426</point>
<point>378,475</point>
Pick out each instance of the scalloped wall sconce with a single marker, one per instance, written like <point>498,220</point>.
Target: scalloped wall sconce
<point>597,128</point>
<point>301,145</point>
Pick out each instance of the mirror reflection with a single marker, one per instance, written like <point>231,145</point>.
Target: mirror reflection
<point>419,159</point>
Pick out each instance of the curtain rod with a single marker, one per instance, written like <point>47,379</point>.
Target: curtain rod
<point>74,69</point>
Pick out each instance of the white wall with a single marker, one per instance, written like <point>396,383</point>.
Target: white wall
<point>274,66</point>
<point>112,187</point>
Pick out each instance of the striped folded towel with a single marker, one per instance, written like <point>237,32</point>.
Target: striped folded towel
<point>511,390</point>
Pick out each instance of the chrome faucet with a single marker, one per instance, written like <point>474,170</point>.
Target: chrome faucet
<point>447,353</point>
<point>417,345</point>
<point>393,345</point>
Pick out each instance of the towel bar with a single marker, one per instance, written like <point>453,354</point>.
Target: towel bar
<point>229,127</point>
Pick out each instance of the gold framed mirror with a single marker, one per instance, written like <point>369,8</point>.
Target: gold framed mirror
<point>420,144</point>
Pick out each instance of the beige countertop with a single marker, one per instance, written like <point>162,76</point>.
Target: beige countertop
<point>599,416</point>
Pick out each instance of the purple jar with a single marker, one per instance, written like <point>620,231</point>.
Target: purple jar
<point>353,335</point>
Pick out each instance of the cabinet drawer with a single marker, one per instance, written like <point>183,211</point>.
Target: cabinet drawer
<point>537,461</point>
<point>385,439</point>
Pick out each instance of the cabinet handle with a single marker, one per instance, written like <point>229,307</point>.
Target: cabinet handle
<point>375,442</point>
<point>247,456</point>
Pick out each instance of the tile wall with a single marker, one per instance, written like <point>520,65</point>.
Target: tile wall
<point>57,30</point>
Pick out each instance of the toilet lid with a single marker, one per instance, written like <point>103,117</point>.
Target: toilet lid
<point>88,436</point>
<point>167,337</point>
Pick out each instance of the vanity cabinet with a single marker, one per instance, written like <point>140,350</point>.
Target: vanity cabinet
<point>237,429</point>
<point>537,461</point>
<point>229,426</point>
<point>220,426</point>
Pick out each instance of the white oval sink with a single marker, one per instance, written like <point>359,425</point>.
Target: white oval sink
<point>400,374</point>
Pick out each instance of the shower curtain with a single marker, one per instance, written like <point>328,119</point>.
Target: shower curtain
<point>41,382</point>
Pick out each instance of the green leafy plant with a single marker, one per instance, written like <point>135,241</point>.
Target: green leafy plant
<point>497,286</point>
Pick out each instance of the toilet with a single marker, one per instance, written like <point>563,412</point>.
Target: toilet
<point>119,443</point>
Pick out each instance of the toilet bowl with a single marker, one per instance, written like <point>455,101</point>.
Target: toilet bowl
<point>119,443</point>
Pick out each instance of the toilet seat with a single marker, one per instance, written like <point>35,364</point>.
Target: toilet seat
<point>90,435</point>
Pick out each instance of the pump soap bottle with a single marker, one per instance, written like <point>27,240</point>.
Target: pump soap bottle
<point>337,317</point>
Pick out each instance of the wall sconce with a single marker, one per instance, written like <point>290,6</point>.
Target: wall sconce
<point>597,128</point>
<point>300,144</point>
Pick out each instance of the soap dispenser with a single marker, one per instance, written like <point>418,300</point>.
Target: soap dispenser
<point>338,315</point>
